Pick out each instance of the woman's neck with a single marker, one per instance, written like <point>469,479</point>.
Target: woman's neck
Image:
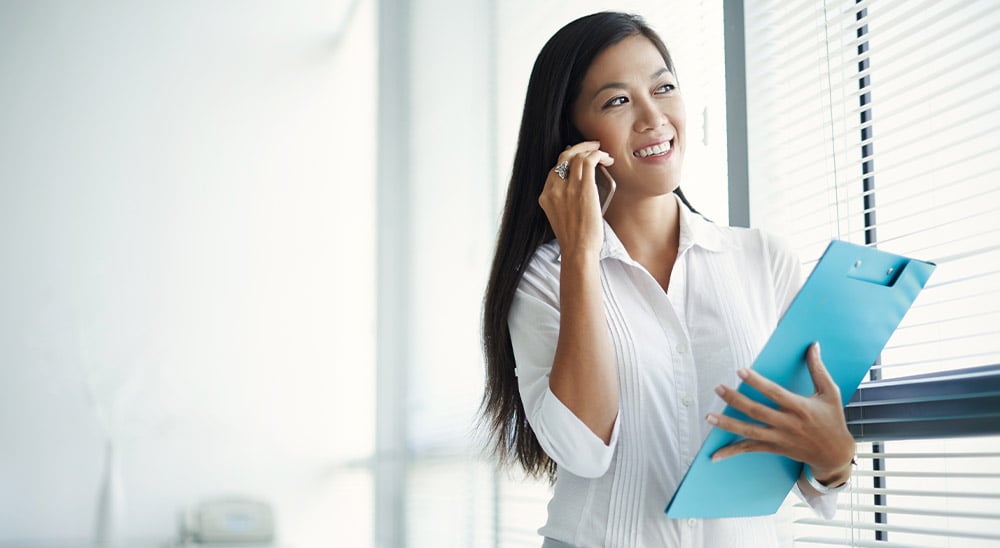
<point>650,231</point>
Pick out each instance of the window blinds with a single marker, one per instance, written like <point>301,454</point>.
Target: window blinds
<point>881,126</point>
<point>804,126</point>
<point>877,122</point>
<point>937,162</point>
<point>940,492</point>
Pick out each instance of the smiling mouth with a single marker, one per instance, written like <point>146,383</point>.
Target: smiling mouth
<point>655,150</point>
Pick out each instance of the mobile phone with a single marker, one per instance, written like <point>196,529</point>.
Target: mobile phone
<point>605,187</point>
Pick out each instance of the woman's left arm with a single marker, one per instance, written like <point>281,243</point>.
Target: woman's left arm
<point>810,429</point>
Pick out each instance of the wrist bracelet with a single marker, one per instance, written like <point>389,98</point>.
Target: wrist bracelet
<point>819,486</point>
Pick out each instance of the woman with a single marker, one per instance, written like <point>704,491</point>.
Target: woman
<point>612,344</point>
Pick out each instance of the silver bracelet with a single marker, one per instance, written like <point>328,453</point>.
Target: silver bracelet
<point>819,486</point>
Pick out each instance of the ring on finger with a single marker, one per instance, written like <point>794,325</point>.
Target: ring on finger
<point>562,170</point>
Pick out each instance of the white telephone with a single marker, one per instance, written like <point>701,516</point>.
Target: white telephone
<point>226,521</point>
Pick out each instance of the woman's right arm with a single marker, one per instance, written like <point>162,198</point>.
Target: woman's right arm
<point>535,323</point>
<point>583,372</point>
<point>583,376</point>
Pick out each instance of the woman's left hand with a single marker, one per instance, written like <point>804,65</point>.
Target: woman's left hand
<point>807,429</point>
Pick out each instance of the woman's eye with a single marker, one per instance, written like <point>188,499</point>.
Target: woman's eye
<point>615,102</point>
<point>666,88</point>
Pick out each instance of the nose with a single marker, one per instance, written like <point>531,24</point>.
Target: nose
<point>648,115</point>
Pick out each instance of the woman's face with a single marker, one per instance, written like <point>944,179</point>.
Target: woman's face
<point>629,101</point>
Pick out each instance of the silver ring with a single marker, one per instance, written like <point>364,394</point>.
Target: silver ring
<point>562,170</point>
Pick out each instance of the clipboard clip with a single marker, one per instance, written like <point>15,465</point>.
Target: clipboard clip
<point>877,272</point>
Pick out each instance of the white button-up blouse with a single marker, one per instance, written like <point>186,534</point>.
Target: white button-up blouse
<point>727,290</point>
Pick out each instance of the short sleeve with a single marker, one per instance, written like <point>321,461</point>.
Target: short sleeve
<point>534,331</point>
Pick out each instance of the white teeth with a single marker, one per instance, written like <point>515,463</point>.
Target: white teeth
<point>655,150</point>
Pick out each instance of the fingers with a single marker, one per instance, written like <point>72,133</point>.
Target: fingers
<point>570,199</point>
<point>742,446</point>
<point>822,381</point>
<point>769,389</point>
<point>583,165</point>
<point>807,429</point>
<point>577,149</point>
<point>761,433</point>
<point>755,410</point>
<point>821,378</point>
<point>583,159</point>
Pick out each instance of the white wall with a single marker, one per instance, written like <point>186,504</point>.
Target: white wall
<point>451,244</point>
<point>186,219</point>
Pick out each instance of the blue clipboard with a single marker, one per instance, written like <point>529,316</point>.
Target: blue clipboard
<point>851,303</point>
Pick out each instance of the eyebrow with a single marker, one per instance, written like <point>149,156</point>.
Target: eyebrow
<point>615,85</point>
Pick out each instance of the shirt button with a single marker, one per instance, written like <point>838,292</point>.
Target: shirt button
<point>687,401</point>
<point>682,348</point>
<point>691,522</point>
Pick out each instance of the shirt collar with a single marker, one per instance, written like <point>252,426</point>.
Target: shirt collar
<point>695,231</point>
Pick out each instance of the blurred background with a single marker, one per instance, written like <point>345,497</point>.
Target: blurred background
<point>222,222</point>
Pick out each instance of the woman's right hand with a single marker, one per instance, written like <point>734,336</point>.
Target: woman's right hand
<point>572,205</point>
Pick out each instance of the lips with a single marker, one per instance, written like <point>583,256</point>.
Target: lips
<point>658,149</point>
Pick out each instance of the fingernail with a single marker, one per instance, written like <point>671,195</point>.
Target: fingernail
<point>720,390</point>
<point>816,344</point>
<point>716,458</point>
<point>711,419</point>
<point>743,373</point>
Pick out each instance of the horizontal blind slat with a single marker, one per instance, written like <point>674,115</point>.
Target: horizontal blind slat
<point>925,494</point>
<point>945,319</point>
<point>909,364</point>
<point>854,542</point>
<point>890,509</point>
<point>890,474</point>
<point>899,528</point>
<point>931,455</point>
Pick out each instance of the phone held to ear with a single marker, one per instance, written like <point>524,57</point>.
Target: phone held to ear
<point>605,191</point>
<point>605,187</point>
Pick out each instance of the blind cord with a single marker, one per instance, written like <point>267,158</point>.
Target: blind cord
<point>836,202</point>
<point>833,138</point>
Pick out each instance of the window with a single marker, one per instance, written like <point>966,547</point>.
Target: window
<point>876,122</point>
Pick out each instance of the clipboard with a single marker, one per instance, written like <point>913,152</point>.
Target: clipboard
<point>851,303</point>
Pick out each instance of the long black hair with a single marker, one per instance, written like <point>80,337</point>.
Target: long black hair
<point>546,130</point>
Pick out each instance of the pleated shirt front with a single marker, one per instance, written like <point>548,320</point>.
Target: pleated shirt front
<point>727,290</point>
